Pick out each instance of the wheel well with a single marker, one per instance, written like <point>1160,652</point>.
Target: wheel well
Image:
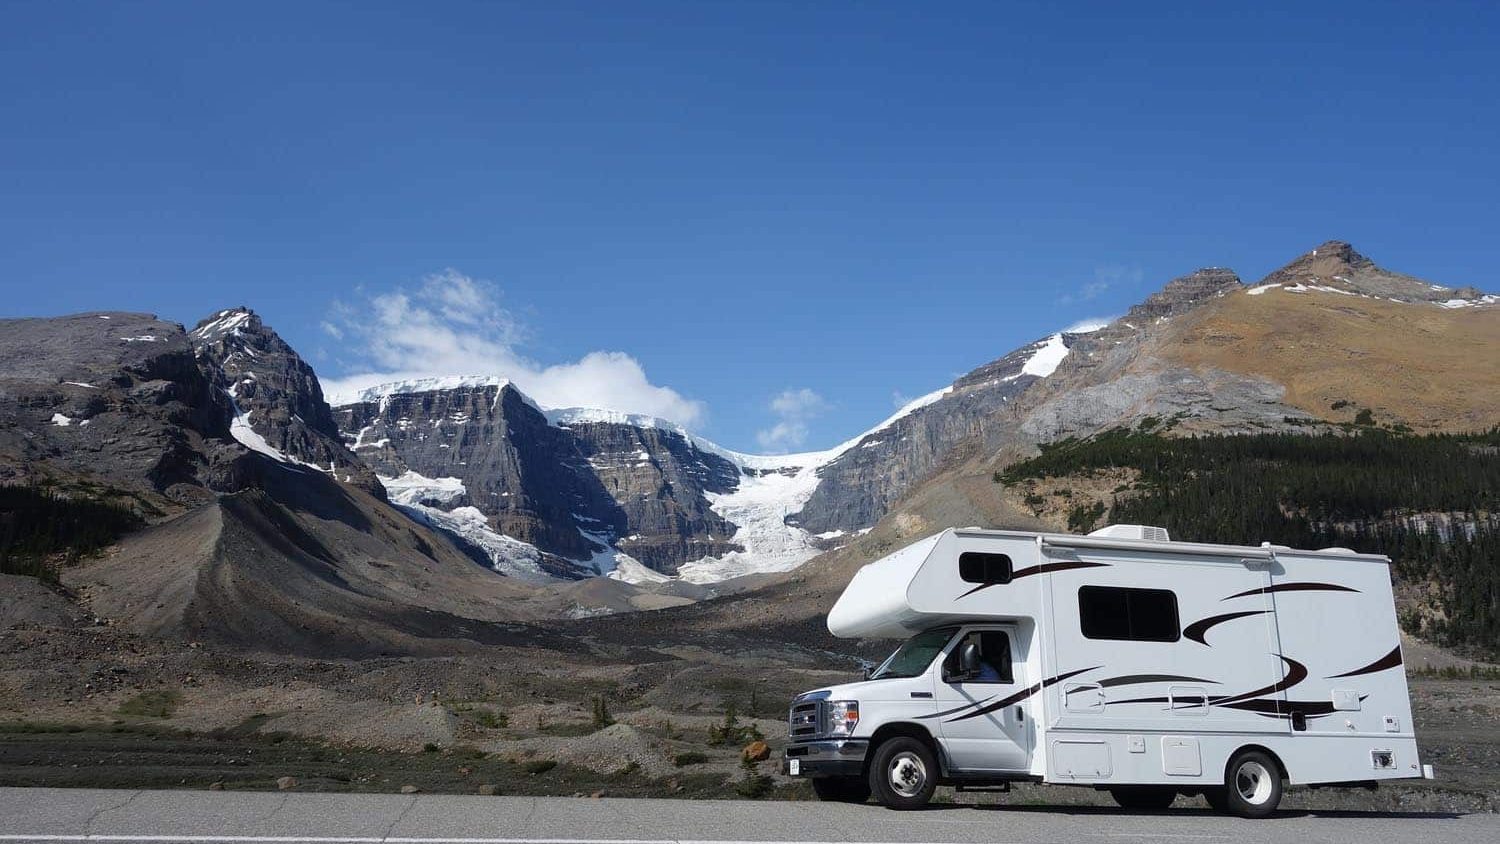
<point>905,728</point>
<point>1280,765</point>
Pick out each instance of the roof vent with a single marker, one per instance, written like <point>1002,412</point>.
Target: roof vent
<point>1147,532</point>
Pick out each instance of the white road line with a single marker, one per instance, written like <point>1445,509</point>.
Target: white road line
<point>304,839</point>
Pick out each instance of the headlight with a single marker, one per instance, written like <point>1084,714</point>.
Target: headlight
<point>842,716</point>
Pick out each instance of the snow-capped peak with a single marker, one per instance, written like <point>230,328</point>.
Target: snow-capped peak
<point>409,386</point>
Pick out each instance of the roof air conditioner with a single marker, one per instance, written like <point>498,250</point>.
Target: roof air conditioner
<point>1147,532</point>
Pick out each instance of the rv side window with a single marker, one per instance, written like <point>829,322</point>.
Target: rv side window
<point>976,567</point>
<point>1139,615</point>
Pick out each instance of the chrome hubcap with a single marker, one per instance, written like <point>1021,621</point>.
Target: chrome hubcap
<point>907,774</point>
<point>1253,782</point>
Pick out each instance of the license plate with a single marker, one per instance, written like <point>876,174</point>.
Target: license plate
<point>794,766</point>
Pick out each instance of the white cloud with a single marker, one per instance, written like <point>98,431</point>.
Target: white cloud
<point>1088,324</point>
<point>795,408</point>
<point>454,325</point>
<point>1105,277</point>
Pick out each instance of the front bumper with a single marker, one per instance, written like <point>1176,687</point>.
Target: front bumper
<point>827,758</point>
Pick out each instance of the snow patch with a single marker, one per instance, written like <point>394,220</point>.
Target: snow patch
<point>144,338</point>
<point>81,384</point>
<point>383,392</point>
<point>61,421</point>
<point>508,556</point>
<point>413,488</point>
<point>1256,291</point>
<point>1048,356</point>
<point>629,570</point>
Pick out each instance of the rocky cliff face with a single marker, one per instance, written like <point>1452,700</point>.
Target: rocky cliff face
<point>1335,266</point>
<point>115,401</point>
<point>274,394</point>
<point>576,489</point>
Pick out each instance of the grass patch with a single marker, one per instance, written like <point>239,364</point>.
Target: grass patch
<point>157,703</point>
<point>692,757</point>
<point>567,730</point>
<point>537,767</point>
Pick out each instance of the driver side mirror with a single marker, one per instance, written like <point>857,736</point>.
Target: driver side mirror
<point>968,661</point>
<point>867,668</point>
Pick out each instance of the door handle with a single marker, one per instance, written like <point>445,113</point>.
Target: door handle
<point>1020,714</point>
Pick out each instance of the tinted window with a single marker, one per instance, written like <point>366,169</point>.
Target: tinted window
<point>975,567</point>
<point>994,658</point>
<point>1139,615</point>
<point>913,657</point>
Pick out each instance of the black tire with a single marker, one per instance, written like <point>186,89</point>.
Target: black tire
<point>1146,798</point>
<point>841,789</point>
<point>903,773</point>
<point>1217,798</point>
<point>1252,785</point>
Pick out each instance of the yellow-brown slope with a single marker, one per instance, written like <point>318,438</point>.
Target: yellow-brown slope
<point>1432,368</point>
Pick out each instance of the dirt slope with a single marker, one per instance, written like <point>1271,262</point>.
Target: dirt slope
<point>1429,367</point>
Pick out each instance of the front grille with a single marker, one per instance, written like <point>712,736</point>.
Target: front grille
<point>805,720</point>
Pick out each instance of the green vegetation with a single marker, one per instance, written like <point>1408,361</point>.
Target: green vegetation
<point>731,731</point>
<point>1358,490</point>
<point>601,716</point>
<point>537,767</point>
<point>486,718</point>
<point>39,526</point>
<point>755,785</point>
<point>692,757</point>
<point>158,703</point>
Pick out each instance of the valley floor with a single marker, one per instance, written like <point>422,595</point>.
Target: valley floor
<point>91,707</point>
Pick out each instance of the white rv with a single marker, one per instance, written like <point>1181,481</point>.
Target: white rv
<point>1118,660</point>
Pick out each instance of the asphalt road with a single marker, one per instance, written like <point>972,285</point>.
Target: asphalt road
<point>60,816</point>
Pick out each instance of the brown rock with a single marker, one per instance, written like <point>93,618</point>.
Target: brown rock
<point>286,783</point>
<point>757,751</point>
<point>489,789</point>
<point>409,789</point>
<point>216,786</point>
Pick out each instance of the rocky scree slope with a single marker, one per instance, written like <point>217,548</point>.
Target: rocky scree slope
<point>250,544</point>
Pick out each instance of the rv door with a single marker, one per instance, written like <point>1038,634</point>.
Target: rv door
<point>984,727</point>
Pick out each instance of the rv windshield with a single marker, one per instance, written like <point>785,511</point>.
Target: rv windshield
<point>913,657</point>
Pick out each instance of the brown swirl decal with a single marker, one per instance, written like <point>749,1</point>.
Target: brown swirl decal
<point>1021,695</point>
<point>1291,587</point>
<point>1390,660</point>
<point>1043,568</point>
<point>1199,629</point>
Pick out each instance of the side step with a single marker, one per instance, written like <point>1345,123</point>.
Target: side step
<point>1001,788</point>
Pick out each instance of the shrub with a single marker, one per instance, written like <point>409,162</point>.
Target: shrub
<point>692,757</point>
<point>537,767</point>
<point>755,785</point>
<point>731,731</point>
<point>601,715</point>
<point>159,703</point>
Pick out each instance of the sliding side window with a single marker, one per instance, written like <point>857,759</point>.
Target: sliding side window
<point>1133,615</point>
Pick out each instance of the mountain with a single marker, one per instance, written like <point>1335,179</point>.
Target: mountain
<point>260,528</point>
<point>278,406</point>
<point>382,524</point>
<point>587,491</point>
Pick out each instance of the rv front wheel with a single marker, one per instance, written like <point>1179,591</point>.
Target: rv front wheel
<point>1147,798</point>
<point>841,789</point>
<point>1252,785</point>
<point>903,773</point>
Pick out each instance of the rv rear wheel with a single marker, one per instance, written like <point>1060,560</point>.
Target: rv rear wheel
<point>1252,785</point>
<point>903,773</point>
<point>1150,798</point>
<point>841,789</point>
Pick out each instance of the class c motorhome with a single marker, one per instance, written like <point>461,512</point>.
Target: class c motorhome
<point>1119,660</point>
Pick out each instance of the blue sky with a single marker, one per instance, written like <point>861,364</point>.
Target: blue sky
<point>850,202</point>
